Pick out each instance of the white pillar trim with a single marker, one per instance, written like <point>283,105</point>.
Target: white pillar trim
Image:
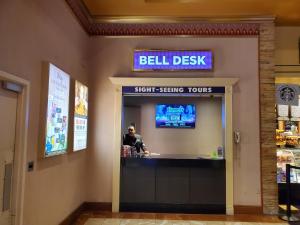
<point>142,81</point>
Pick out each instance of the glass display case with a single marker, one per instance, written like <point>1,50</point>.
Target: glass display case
<point>288,142</point>
<point>290,156</point>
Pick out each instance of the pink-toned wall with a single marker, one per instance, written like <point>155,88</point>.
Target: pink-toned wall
<point>234,57</point>
<point>32,32</point>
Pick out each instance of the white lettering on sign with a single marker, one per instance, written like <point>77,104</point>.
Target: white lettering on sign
<point>153,60</point>
<point>177,60</point>
<point>157,62</point>
<point>185,60</point>
<point>143,60</point>
<point>189,60</point>
<point>171,90</point>
<point>201,60</point>
<point>164,61</point>
<point>199,90</point>
<point>193,60</point>
<point>144,89</point>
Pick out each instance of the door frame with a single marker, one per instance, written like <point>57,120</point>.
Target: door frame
<point>20,155</point>
<point>119,82</point>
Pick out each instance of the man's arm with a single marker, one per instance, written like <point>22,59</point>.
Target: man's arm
<point>143,146</point>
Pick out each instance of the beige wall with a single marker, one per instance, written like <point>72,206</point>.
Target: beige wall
<point>286,45</point>
<point>33,31</point>
<point>234,57</point>
<point>203,139</point>
<point>131,114</point>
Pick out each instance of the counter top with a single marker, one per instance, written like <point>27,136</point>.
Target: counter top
<point>172,156</point>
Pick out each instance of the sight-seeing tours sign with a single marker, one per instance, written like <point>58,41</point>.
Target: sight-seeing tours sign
<point>172,91</point>
<point>176,60</point>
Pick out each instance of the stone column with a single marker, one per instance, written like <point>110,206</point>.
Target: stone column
<point>268,117</point>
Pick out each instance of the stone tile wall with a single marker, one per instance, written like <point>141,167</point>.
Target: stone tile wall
<point>268,117</point>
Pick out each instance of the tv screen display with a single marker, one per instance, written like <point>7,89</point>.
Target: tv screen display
<point>175,115</point>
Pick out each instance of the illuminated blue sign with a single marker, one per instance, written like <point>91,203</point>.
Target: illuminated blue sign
<point>148,60</point>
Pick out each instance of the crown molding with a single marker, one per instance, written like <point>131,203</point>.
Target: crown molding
<point>168,19</point>
<point>166,26</point>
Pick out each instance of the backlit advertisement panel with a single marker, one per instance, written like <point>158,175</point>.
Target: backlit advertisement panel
<point>57,112</point>
<point>80,116</point>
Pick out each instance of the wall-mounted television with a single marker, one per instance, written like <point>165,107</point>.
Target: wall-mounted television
<point>175,116</point>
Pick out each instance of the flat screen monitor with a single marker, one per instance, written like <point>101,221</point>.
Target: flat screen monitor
<point>175,116</point>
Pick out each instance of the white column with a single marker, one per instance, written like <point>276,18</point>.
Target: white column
<point>229,150</point>
<point>117,149</point>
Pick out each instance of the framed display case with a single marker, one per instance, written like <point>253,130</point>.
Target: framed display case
<point>287,156</point>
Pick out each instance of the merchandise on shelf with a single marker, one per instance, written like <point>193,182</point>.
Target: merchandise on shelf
<point>292,141</point>
<point>280,137</point>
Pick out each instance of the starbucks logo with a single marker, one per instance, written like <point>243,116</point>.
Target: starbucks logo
<point>287,94</point>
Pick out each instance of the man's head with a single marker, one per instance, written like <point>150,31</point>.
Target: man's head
<point>131,130</point>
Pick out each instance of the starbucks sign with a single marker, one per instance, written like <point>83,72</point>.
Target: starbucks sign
<point>287,94</point>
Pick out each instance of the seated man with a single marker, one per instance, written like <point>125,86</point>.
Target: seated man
<point>133,139</point>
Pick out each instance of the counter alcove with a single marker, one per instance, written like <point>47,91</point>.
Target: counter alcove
<point>173,183</point>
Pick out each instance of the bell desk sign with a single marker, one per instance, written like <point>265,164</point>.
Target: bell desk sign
<point>149,60</point>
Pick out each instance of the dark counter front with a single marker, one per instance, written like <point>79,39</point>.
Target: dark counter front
<point>173,183</point>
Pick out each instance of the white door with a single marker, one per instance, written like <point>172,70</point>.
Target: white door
<point>8,115</point>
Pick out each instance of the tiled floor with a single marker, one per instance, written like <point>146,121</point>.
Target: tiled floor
<point>108,218</point>
<point>114,221</point>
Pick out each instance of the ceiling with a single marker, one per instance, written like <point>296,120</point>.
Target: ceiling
<point>287,12</point>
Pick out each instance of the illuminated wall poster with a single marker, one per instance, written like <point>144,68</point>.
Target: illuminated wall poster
<point>80,116</point>
<point>57,112</point>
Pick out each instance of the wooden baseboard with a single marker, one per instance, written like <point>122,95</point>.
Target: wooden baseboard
<point>98,206</point>
<point>247,209</point>
<point>86,206</point>
<point>73,216</point>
